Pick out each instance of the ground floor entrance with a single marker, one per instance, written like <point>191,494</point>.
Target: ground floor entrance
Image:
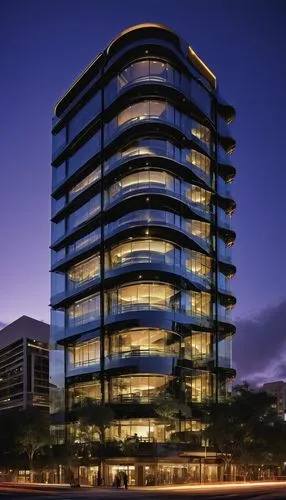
<point>160,473</point>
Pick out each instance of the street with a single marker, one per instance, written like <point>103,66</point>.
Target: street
<point>267,491</point>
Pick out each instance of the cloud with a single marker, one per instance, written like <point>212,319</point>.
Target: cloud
<point>259,346</point>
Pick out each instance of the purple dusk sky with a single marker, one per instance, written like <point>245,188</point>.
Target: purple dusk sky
<point>44,47</point>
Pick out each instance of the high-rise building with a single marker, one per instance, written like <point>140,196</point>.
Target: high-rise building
<point>141,250</point>
<point>24,364</point>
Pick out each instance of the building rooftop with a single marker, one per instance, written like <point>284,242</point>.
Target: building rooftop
<point>24,327</point>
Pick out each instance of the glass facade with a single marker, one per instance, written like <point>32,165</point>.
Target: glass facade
<point>141,252</point>
<point>196,161</point>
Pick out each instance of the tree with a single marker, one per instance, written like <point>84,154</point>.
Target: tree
<point>241,426</point>
<point>169,410</point>
<point>95,419</point>
<point>33,435</point>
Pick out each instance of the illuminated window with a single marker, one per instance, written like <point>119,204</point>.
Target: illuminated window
<point>199,160</point>
<point>141,110</point>
<point>140,429</point>
<point>199,229</point>
<point>137,389</point>
<point>139,180</point>
<point>199,196</point>
<point>85,183</point>
<point>201,132</point>
<point>84,311</point>
<point>199,386</point>
<point>79,392</point>
<point>85,271</point>
<point>142,342</point>
<point>84,354</point>
<point>198,345</point>
<point>141,251</point>
<point>84,242</point>
<point>198,263</point>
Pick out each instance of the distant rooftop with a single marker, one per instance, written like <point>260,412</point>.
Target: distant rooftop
<point>24,327</point>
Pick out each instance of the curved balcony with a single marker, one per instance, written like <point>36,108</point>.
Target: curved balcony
<point>227,111</point>
<point>155,198</point>
<point>158,297</point>
<point>147,218</point>
<point>198,163</point>
<point>159,255</point>
<point>156,112</point>
<point>225,168</point>
<point>148,362</point>
<point>155,75</point>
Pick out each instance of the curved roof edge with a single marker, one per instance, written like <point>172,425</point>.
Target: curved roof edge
<point>95,64</point>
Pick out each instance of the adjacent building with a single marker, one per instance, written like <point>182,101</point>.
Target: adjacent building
<point>141,251</point>
<point>24,364</point>
<point>278,390</point>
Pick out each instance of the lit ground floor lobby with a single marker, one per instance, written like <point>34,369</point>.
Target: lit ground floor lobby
<point>144,472</point>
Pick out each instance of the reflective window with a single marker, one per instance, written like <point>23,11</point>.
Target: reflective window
<point>141,71</point>
<point>198,263</point>
<point>85,212</point>
<point>224,219</point>
<point>58,230</point>
<point>57,324</point>
<point>84,116</point>
<point>224,281</point>
<point>142,342</point>
<point>59,139</point>
<point>84,242</point>
<point>224,251</point>
<point>85,183</point>
<point>225,352</point>
<point>84,354</point>
<point>59,255</point>
<point>82,273</point>
<point>223,188</point>
<point>84,311</point>
<point>143,147</point>
<point>199,386</point>
<point>138,388</point>
<point>59,174</point>
<point>201,97</point>
<point>58,204</point>
<point>198,345</point>
<point>79,392</point>
<point>147,70</point>
<point>84,153</point>
<point>57,283</point>
<point>57,376</point>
